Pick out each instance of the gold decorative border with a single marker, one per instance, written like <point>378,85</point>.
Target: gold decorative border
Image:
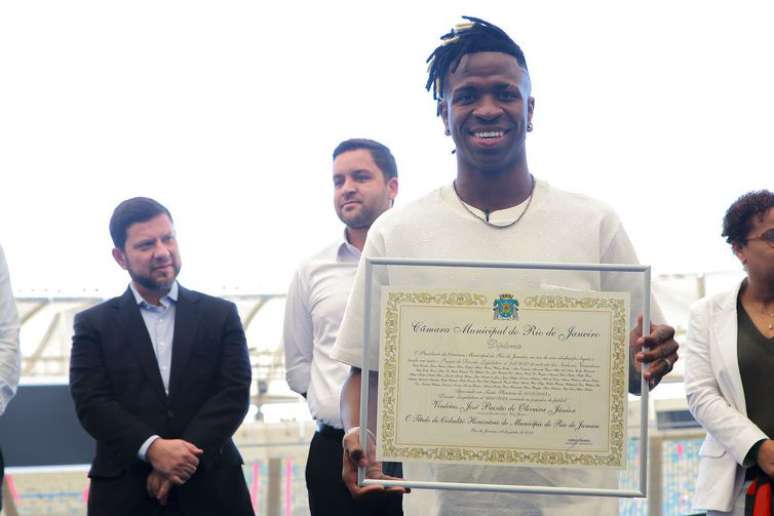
<point>388,373</point>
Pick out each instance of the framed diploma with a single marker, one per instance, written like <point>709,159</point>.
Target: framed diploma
<point>527,374</point>
<point>522,377</point>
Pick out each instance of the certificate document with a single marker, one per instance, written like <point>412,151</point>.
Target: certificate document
<point>530,377</point>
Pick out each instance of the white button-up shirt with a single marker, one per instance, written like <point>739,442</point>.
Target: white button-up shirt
<point>160,323</point>
<point>315,305</point>
<point>10,352</point>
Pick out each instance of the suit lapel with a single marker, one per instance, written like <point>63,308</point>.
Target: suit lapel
<point>137,337</point>
<point>186,323</point>
<point>724,336</point>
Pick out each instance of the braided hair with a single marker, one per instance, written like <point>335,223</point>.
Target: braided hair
<point>475,35</point>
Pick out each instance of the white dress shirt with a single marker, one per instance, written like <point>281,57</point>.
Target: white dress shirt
<point>315,305</point>
<point>10,352</point>
<point>160,323</point>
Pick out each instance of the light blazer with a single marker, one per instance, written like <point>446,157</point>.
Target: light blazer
<point>120,400</point>
<point>713,386</point>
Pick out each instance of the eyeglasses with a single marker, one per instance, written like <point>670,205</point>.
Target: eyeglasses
<point>767,236</point>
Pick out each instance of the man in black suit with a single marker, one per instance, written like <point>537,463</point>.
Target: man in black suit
<point>161,379</point>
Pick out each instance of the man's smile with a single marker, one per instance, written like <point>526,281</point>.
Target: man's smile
<point>487,136</point>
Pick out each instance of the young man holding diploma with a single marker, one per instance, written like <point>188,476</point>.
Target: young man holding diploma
<point>494,210</point>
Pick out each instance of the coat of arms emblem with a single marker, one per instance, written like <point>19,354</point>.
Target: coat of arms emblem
<point>506,308</point>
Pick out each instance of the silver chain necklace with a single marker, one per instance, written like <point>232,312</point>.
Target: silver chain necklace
<point>486,220</point>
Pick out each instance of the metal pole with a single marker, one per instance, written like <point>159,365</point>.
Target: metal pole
<point>365,371</point>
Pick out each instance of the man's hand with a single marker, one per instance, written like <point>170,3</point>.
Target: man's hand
<point>660,356</point>
<point>174,458</point>
<point>158,486</point>
<point>354,456</point>
<point>765,457</point>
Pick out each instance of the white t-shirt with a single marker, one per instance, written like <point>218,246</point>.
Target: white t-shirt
<point>557,227</point>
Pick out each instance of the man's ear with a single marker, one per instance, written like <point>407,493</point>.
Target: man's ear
<point>392,189</point>
<point>120,257</point>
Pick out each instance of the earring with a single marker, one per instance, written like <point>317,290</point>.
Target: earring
<point>529,126</point>
<point>447,132</point>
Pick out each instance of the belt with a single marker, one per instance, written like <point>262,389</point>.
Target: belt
<point>329,431</point>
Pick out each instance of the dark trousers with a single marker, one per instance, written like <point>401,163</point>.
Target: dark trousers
<point>328,496</point>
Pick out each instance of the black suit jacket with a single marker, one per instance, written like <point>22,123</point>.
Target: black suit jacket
<point>120,400</point>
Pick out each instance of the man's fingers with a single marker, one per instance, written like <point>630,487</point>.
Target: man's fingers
<point>184,469</point>
<point>638,326</point>
<point>660,344</point>
<point>189,457</point>
<point>188,463</point>
<point>150,487</point>
<point>193,448</point>
<point>163,492</point>
<point>659,368</point>
<point>659,334</point>
<point>184,475</point>
<point>361,492</point>
<point>637,330</point>
<point>371,489</point>
<point>667,351</point>
<point>395,489</point>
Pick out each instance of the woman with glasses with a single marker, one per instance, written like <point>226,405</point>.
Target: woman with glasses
<point>729,370</point>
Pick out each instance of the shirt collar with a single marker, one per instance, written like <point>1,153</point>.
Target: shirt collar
<point>165,301</point>
<point>346,251</point>
<point>500,217</point>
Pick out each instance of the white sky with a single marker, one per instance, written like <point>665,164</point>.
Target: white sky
<point>227,112</point>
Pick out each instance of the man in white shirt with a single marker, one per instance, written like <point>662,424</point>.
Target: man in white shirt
<point>10,353</point>
<point>494,210</point>
<point>365,182</point>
